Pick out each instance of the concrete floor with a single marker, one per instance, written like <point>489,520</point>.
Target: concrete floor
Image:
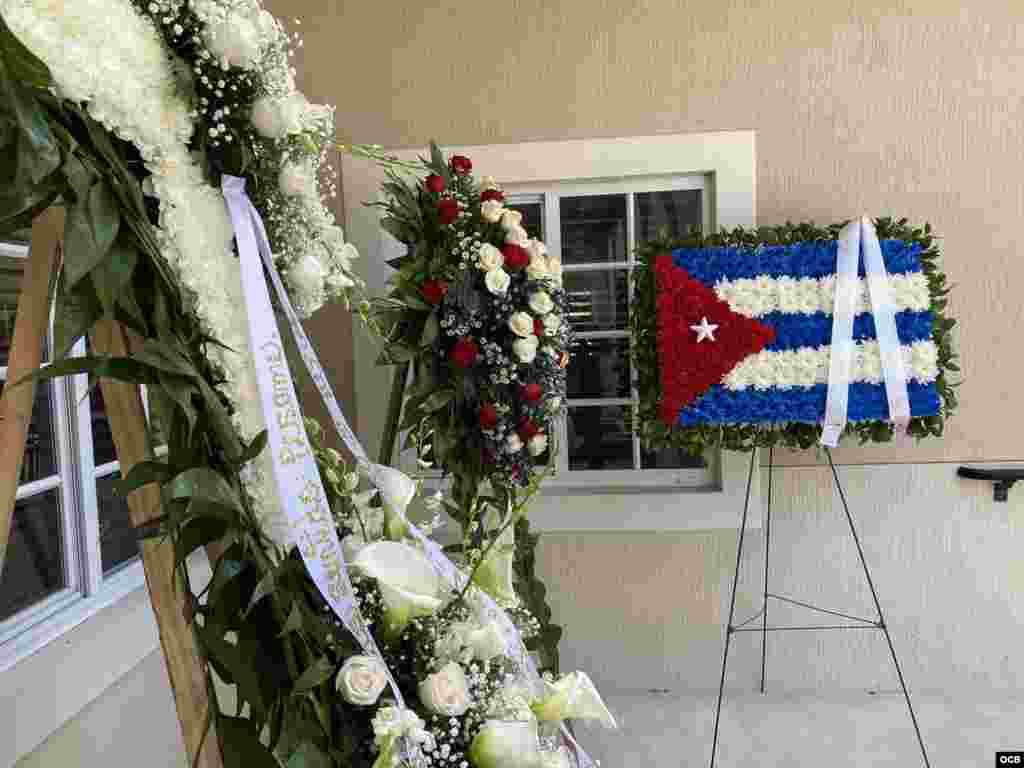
<point>816,729</point>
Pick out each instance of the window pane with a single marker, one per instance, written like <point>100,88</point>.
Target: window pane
<point>677,212</point>
<point>593,229</point>
<point>600,437</point>
<point>118,544</point>
<point>598,300</point>
<point>670,458</point>
<point>533,218</point>
<point>599,368</point>
<point>34,566</point>
<point>102,438</point>
<point>40,447</point>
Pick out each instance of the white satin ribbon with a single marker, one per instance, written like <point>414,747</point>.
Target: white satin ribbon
<point>852,237</point>
<point>252,238</point>
<point>300,490</point>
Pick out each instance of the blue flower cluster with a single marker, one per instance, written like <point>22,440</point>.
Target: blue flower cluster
<point>805,259</point>
<point>793,331</point>
<point>868,402</point>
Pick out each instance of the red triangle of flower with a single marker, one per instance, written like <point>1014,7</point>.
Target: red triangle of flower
<point>690,368</point>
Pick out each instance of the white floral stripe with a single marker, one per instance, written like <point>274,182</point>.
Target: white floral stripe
<point>104,53</point>
<point>807,366</point>
<point>756,297</point>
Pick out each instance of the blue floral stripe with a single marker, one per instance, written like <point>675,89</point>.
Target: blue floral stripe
<point>804,259</point>
<point>800,404</point>
<point>793,331</point>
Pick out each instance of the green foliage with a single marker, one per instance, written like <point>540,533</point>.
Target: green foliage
<point>533,593</point>
<point>695,440</point>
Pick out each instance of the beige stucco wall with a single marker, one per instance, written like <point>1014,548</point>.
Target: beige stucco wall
<point>909,108</point>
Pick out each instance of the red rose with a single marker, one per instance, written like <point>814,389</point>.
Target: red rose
<point>447,211</point>
<point>527,430</point>
<point>538,327</point>
<point>461,164</point>
<point>531,392</point>
<point>492,194</point>
<point>434,290</point>
<point>488,416</point>
<point>516,257</point>
<point>488,454</point>
<point>434,183</point>
<point>465,352</point>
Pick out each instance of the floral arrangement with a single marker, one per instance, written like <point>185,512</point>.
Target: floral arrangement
<point>477,307</point>
<point>129,113</point>
<point>732,335</point>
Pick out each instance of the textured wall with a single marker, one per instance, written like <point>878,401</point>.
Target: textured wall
<point>910,108</point>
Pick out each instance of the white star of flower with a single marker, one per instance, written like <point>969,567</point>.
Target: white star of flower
<point>705,330</point>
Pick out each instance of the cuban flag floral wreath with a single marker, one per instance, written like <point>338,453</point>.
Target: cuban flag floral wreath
<point>732,334</point>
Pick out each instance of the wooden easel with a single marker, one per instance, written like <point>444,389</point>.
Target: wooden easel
<point>128,425</point>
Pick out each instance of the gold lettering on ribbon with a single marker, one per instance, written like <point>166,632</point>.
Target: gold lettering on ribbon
<point>293,447</point>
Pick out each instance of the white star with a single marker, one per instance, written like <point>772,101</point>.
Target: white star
<point>705,330</point>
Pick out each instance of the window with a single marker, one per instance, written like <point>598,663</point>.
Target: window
<point>592,200</point>
<point>595,228</point>
<point>72,549</point>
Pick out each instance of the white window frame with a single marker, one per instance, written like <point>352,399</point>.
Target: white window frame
<point>549,196</point>
<point>60,653</point>
<point>666,500</point>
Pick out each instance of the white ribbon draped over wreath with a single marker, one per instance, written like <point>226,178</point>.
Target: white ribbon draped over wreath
<point>301,492</point>
<point>854,237</point>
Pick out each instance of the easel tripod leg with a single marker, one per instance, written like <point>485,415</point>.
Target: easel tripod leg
<point>767,545</point>
<point>878,607</point>
<point>732,607</point>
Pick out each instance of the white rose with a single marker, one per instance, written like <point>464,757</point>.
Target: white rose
<point>276,118</point>
<point>525,349</point>
<point>552,324</point>
<point>506,744</point>
<point>446,692</point>
<point>541,302</point>
<point>537,445</point>
<point>521,324</point>
<point>573,696</point>
<point>517,236</point>
<point>390,724</point>
<point>409,585</point>
<point>538,267</point>
<point>497,281</point>
<point>305,277</point>
<point>488,182</point>
<point>554,404</point>
<point>361,680</point>
<point>511,219</point>
<point>236,39</point>
<point>486,642</point>
<point>297,179</point>
<point>513,443</point>
<point>488,257</point>
<point>491,211</point>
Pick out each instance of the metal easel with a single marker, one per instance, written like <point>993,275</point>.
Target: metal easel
<point>851,622</point>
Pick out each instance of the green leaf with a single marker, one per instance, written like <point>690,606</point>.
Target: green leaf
<point>76,312</point>
<point>264,587</point>
<point>241,746</point>
<point>101,366</point>
<point>255,448</point>
<point>21,62</point>
<point>204,484</point>
<point>438,400</point>
<point>431,330</point>
<point>294,621</point>
<point>112,276</point>
<point>197,533</point>
<point>308,755</point>
<point>316,673</point>
<point>143,473</point>
<point>92,225</point>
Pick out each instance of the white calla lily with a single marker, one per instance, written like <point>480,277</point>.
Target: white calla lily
<point>506,744</point>
<point>409,585</point>
<point>573,696</point>
<point>397,491</point>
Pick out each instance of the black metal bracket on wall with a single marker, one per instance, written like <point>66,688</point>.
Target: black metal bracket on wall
<point>1002,479</point>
